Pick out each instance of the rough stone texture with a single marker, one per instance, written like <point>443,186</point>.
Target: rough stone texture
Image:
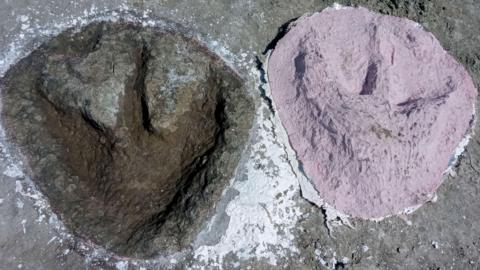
<point>373,106</point>
<point>119,126</point>
<point>442,235</point>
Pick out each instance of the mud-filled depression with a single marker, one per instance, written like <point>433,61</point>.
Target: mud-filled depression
<point>131,132</point>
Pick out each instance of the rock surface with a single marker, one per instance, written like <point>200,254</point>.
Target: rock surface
<point>122,127</point>
<point>373,106</point>
<point>246,27</point>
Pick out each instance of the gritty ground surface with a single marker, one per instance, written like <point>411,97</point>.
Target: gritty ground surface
<point>262,221</point>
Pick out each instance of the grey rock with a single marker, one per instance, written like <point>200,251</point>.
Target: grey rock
<point>131,128</point>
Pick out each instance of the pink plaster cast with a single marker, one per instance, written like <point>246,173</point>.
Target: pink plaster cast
<point>373,107</point>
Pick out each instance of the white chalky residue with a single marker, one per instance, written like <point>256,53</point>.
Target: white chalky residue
<point>337,6</point>
<point>24,221</point>
<point>18,187</point>
<point>13,171</point>
<point>459,150</point>
<point>122,265</point>
<point>19,203</point>
<point>51,240</point>
<point>23,18</point>
<point>259,220</point>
